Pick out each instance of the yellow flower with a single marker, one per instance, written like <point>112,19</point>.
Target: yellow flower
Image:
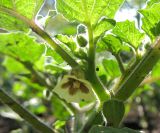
<point>73,89</point>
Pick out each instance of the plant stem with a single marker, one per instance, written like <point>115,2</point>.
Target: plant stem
<point>102,93</point>
<point>119,63</point>
<point>91,75</point>
<point>139,72</point>
<point>25,114</point>
<point>42,34</point>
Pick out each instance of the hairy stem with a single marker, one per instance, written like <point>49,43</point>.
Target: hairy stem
<point>98,87</point>
<point>42,34</point>
<point>120,63</point>
<point>139,72</point>
<point>102,93</point>
<point>25,114</point>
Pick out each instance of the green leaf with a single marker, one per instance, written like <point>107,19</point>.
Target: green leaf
<point>111,67</point>
<point>129,33</point>
<point>82,10</point>
<point>11,23</point>
<point>114,111</point>
<point>59,124</point>
<point>156,70</point>
<point>151,20</point>
<point>57,24</point>
<point>110,43</point>
<point>15,68</point>
<point>100,129</point>
<point>103,25</point>
<point>54,68</point>
<point>151,2</point>
<point>53,54</point>
<point>67,40</point>
<point>60,111</point>
<point>20,6</point>
<point>21,47</point>
<point>28,9</point>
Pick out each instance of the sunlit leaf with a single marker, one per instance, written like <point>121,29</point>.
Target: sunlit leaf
<point>90,9</point>
<point>111,67</point>
<point>11,23</point>
<point>53,54</point>
<point>151,20</point>
<point>67,40</point>
<point>103,25</point>
<point>151,2</point>
<point>128,33</point>
<point>110,43</point>
<point>21,47</point>
<point>14,66</point>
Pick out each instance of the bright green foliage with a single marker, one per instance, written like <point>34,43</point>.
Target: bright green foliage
<point>114,111</point>
<point>156,70</point>
<point>90,10</point>
<point>21,47</point>
<point>20,6</point>
<point>51,53</point>
<point>27,8</point>
<point>151,20</point>
<point>59,124</point>
<point>111,67</point>
<point>151,2</point>
<point>103,25</point>
<point>98,129</point>
<point>128,33</point>
<point>14,66</point>
<point>111,43</point>
<point>11,23</point>
<point>68,41</point>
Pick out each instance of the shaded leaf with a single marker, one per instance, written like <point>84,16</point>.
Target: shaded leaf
<point>99,129</point>
<point>59,25</point>
<point>113,111</point>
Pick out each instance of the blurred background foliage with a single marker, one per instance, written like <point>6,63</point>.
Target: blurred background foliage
<point>143,107</point>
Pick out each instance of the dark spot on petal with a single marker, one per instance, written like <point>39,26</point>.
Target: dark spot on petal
<point>83,88</point>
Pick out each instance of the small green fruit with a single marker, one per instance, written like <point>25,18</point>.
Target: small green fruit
<point>81,41</point>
